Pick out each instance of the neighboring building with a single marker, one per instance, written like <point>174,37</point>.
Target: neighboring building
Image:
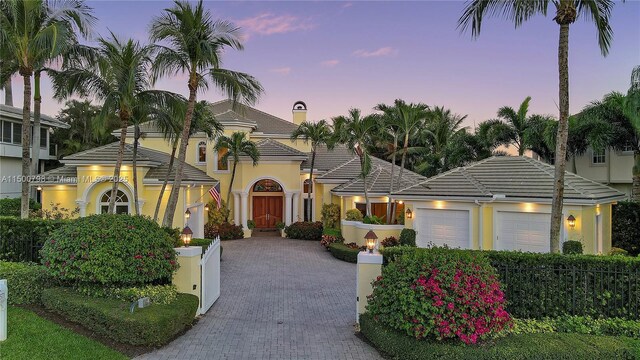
<point>11,147</point>
<point>610,167</point>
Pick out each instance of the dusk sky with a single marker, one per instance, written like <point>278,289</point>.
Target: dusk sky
<point>338,55</point>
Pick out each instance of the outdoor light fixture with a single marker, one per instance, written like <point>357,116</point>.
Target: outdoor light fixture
<point>206,207</point>
<point>39,188</point>
<point>186,236</point>
<point>409,214</point>
<point>572,221</point>
<point>400,202</point>
<point>370,239</point>
<point>187,214</point>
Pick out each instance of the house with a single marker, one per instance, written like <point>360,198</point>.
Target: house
<point>11,147</point>
<point>607,166</point>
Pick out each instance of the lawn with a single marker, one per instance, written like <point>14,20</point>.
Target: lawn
<point>32,338</point>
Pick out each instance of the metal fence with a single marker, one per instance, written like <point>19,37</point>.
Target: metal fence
<point>20,249</point>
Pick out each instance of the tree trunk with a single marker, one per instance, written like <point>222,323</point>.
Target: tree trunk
<point>561,139</point>
<point>35,146</point>
<point>124,122</point>
<point>166,180</point>
<point>310,187</point>
<point>182,153</point>
<point>26,148</point>
<point>391,205</point>
<point>136,136</point>
<point>8,93</point>
<point>405,147</point>
<point>364,181</point>
<point>233,176</point>
<point>635,190</point>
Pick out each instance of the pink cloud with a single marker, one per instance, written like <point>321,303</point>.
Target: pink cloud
<point>282,70</point>
<point>330,63</point>
<point>269,24</point>
<point>383,51</point>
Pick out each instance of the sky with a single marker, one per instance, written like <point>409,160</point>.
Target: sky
<point>338,55</point>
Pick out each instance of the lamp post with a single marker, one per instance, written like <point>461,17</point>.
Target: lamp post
<point>371,239</point>
<point>186,236</point>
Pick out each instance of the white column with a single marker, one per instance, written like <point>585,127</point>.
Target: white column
<point>296,202</point>
<point>287,208</point>
<point>245,208</point>
<point>236,208</point>
<point>4,294</point>
<point>83,207</point>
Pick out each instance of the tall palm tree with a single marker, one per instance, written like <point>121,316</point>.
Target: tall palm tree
<point>318,134</point>
<point>34,32</point>
<point>389,134</point>
<point>632,111</point>
<point>170,124</point>
<point>517,123</point>
<point>237,145</point>
<point>196,46</point>
<point>439,136</point>
<point>356,131</point>
<point>116,72</point>
<point>566,13</point>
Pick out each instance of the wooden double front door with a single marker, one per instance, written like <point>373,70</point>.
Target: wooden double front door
<point>267,211</point>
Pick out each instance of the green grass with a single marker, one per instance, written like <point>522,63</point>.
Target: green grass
<point>32,338</point>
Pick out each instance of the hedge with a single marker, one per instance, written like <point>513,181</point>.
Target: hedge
<point>551,285</point>
<point>343,252</point>
<point>522,347</point>
<point>155,325</point>
<point>625,232</point>
<point>11,206</point>
<point>304,230</point>
<point>578,325</point>
<point>21,239</point>
<point>25,282</point>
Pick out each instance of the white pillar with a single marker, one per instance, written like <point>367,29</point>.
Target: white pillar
<point>236,208</point>
<point>4,293</point>
<point>245,208</point>
<point>287,208</point>
<point>368,269</point>
<point>296,202</point>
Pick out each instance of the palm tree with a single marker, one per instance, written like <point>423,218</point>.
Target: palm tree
<point>319,133</point>
<point>356,131</point>
<point>567,11</point>
<point>197,44</point>
<point>116,72</point>
<point>236,146</point>
<point>170,124</point>
<point>632,111</point>
<point>517,123</point>
<point>34,32</point>
<point>389,134</point>
<point>439,135</point>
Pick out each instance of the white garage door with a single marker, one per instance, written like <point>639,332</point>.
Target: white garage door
<point>442,227</point>
<point>523,231</point>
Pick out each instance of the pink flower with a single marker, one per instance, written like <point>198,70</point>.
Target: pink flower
<point>450,306</point>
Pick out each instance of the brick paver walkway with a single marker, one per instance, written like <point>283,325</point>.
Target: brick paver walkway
<point>281,299</point>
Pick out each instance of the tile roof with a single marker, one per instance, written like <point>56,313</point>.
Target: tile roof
<point>328,159</point>
<point>105,153</point>
<point>265,123</point>
<point>10,112</point>
<point>516,177</point>
<point>378,179</point>
<point>273,148</point>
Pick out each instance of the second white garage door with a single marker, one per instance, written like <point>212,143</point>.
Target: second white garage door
<point>442,227</point>
<point>523,231</point>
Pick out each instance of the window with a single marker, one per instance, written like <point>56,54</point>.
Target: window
<point>306,187</point>
<point>628,147</point>
<point>202,152</point>
<point>17,133</point>
<point>380,210</point>
<point>6,131</point>
<point>122,202</point>
<point>598,157</point>
<point>267,186</point>
<point>222,165</point>
<point>43,137</point>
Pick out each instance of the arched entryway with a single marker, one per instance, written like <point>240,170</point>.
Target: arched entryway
<point>267,203</point>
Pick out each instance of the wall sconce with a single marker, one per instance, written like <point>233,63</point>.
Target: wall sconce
<point>572,221</point>
<point>186,236</point>
<point>409,214</point>
<point>400,202</point>
<point>39,188</point>
<point>206,207</point>
<point>187,214</point>
<point>370,240</point>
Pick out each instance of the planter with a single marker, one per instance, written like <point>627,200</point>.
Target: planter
<point>354,231</point>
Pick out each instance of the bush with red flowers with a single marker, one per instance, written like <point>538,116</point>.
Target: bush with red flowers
<point>110,249</point>
<point>390,241</point>
<point>304,230</point>
<point>226,231</point>
<point>440,294</point>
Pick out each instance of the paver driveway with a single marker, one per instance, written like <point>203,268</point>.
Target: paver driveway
<point>281,299</point>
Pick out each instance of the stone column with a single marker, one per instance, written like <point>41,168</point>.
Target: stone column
<point>287,208</point>
<point>236,208</point>
<point>244,209</point>
<point>296,203</point>
<point>369,268</point>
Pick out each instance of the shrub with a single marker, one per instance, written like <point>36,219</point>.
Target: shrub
<point>572,247</point>
<point>398,346</point>
<point>578,325</point>
<point>174,234</point>
<point>390,241</point>
<point>625,232</point>
<point>158,294</point>
<point>353,215</point>
<point>344,252</point>
<point>330,236</point>
<point>226,231</point>
<point>21,239</point>
<point>155,325</point>
<point>304,230</point>
<point>330,215</point>
<point>11,206</point>
<point>25,282</point>
<point>280,225</point>
<point>251,224</point>
<point>440,294</point>
<point>110,249</point>
<point>55,212</point>
<point>372,219</point>
<point>217,216</point>
<point>408,237</point>
<point>618,252</point>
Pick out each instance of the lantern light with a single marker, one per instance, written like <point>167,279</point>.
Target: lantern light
<point>186,236</point>
<point>371,239</point>
<point>206,207</point>
<point>409,214</point>
<point>187,214</point>
<point>39,188</point>
<point>572,221</point>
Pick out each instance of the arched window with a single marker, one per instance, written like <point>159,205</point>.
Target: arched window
<point>122,202</point>
<point>202,152</point>
<point>267,185</point>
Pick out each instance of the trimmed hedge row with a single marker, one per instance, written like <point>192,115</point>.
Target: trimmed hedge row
<point>304,230</point>
<point>551,285</point>
<point>578,325</point>
<point>522,347</point>
<point>155,325</point>
<point>25,281</point>
<point>21,239</point>
<point>625,232</point>
<point>11,206</point>
<point>343,252</point>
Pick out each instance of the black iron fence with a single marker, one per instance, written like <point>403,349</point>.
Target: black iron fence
<point>21,249</point>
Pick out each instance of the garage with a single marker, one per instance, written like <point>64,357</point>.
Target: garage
<point>523,231</point>
<point>442,227</point>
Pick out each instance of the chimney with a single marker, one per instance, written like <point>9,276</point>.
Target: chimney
<point>299,112</point>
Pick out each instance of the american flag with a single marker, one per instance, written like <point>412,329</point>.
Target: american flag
<point>215,194</point>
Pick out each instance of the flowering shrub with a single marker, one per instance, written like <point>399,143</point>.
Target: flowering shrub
<point>304,230</point>
<point>331,236</point>
<point>330,215</point>
<point>226,231</point>
<point>110,249</point>
<point>353,215</point>
<point>391,241</point>
<point>440,294</point>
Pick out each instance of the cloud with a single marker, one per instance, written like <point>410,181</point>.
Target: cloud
<point>270,24</point>
<point>383,51</point>
<point>282,70</point>
<point>330,63</point>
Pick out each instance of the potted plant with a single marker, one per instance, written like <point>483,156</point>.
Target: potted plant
<point>280,226</point>
<point>251,225</point>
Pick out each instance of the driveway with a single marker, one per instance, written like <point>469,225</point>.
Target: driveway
<point>280,299</point>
